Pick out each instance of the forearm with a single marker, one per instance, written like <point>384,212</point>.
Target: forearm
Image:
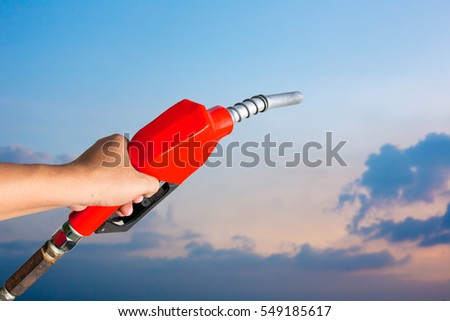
<point>26,189</point>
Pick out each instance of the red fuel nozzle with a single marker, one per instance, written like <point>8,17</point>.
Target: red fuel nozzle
<point>178,142</point>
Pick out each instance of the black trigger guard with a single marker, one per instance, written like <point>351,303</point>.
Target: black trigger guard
<point>116,223</point>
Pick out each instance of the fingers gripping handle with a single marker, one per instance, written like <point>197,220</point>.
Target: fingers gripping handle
<point>102,219</point>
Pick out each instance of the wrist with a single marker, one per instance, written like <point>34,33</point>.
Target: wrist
<point>74,184</point>
<point>62,183</point>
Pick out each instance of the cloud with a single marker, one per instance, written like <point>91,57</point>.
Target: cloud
<point>365,206</point>
<point>147,240</point>
<point>404,176</point>
<point>388,173</point>
<point>349,259</point>
<point>430,160</point>
<point>243,243</point>
<point>206,252</point>
<point>431,231</point>
<point>188,235</point>
<point>24,155</point>
<point>206,273</point>
<point>159,219</point>
<point>413,174</point>
<point>307,258</point>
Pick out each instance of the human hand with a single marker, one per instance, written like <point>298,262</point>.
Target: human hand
<point>110,181</point>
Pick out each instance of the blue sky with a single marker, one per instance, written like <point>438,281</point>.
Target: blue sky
<point>374,73</point>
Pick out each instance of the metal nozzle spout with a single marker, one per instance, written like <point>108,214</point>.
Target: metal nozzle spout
<point>261,103</point>
<point>284,99</point>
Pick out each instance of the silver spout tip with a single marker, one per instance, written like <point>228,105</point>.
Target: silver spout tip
<point>284,99</point>
<point>261,103</point>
